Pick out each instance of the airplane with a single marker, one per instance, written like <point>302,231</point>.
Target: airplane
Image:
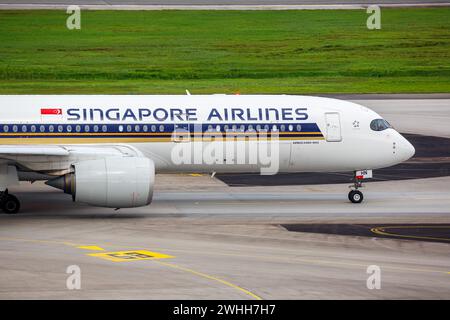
<point>104,150</point>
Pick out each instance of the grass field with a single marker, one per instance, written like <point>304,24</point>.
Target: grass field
<point>225,52</point>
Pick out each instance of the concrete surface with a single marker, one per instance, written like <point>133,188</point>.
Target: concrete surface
<point>217,233</point>
<point>214,4</point>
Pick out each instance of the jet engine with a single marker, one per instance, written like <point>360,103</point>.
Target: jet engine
<point>110,182</point>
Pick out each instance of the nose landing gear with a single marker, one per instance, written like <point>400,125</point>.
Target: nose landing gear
<point>9,203</point>
<point>356,196</point>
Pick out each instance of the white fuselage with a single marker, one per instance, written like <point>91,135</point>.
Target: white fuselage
<point>311,133</point>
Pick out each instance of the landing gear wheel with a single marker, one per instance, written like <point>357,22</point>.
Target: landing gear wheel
<point>11,204</point>
<point>355,196</point>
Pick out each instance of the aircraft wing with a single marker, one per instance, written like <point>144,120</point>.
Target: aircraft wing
<point>58,158</point>
<point>33,151</point>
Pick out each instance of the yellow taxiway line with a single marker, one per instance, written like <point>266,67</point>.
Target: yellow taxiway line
<point>171,265</point>
<point>381,231</point>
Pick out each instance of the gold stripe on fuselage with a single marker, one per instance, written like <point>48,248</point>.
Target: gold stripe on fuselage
<point>30,141</point>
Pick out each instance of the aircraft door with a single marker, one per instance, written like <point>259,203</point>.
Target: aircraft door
<point>333,123</point>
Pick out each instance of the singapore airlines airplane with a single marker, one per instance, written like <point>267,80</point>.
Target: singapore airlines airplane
<point>104,150</point>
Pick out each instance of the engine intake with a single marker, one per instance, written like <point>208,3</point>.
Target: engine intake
<point>110,182</point>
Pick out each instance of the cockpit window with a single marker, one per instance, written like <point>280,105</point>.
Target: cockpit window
<point>379,125</point>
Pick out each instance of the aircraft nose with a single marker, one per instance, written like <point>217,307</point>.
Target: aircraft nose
<point>406,149</point>
<point>411,150</point>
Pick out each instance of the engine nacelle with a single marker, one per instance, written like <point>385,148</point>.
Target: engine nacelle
<point>111,182</point>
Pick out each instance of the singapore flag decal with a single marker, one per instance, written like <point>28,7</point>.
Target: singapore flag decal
<point>49,114</point>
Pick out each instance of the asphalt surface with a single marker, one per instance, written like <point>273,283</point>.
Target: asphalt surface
<point>206,240</point>
<point>416,232</point>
